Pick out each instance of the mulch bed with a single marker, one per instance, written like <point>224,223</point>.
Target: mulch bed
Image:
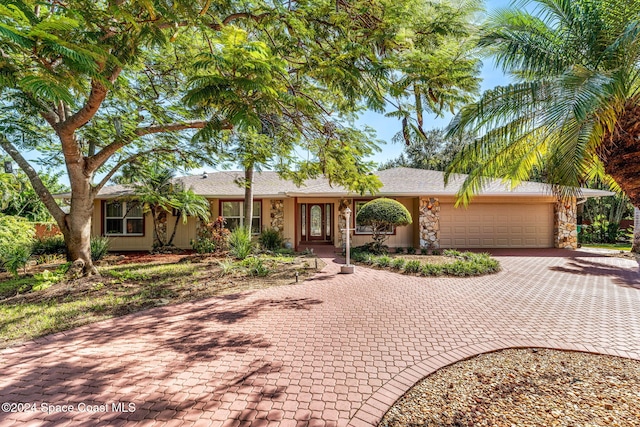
<point>525,387</point>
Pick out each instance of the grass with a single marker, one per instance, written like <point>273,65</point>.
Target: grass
<point>452,263</point>
<point>619,246</point>
<point>45,302</point>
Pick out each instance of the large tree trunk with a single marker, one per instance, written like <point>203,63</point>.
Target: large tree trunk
<point>620,154</point>
<point>248,195</point>
<point>635,247</point>
<point>77,225</point>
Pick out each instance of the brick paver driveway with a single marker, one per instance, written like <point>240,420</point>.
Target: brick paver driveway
<point>332,351</point>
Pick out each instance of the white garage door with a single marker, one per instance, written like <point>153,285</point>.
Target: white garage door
<point>497,226</point>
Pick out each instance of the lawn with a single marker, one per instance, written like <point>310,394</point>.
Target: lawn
<point>44,302</point>
<point>618,246</point>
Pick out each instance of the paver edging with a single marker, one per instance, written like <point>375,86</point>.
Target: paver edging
<point>371,414</point>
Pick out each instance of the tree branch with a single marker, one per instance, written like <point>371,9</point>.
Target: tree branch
<point>90,108</point>
<point>43,193</point>
<point>103,155</point>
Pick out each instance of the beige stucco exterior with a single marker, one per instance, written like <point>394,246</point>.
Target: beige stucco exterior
<point>490,221</point>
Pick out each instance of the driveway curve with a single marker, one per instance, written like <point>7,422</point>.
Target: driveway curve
<point>332,351</point>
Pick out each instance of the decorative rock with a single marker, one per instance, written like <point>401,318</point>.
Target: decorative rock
<point>564,228</point>
<point>277,215</point>
<point>429,223</point>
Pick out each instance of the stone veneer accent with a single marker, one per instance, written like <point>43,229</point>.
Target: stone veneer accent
<point>429,223</point>
<point>277,215</point>
<point>565,233</point>
<point>342,224</point>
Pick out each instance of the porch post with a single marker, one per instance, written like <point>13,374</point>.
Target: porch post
<point>429,223</point>
<point>565,229</point>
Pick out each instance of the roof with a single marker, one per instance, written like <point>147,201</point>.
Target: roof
<point>396,182</point>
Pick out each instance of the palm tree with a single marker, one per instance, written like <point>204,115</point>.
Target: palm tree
<point>573,110</point>
<point>188,203</point>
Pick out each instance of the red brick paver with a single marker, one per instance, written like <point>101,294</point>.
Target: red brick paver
<point>333,351</point>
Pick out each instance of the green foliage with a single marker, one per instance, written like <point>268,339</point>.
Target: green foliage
<point>240,244</point>
<point>212,237</point>
<point>49,245</point>
<point>383,261</point>
<point>451,253</point>
<point>411,250</point>
<point>16,258</point>
<point>382,215</point>
<point>412,266</point>
<point>99,247</point>
<point>227,267</point>
<point>255,267</point>
<point>18,198</point>
<point>271,239</point>
<point>572,103</point>
<point>16,239</point>
<point>428,269</point>
<point>398,263</point>
<point>602,231</point>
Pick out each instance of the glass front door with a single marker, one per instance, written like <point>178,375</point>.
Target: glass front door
<point>315,221</point>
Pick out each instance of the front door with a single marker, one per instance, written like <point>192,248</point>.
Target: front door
<point>316,222</point>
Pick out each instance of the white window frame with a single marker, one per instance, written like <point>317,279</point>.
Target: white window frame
<point>123,218</point>
<point>240,217</point>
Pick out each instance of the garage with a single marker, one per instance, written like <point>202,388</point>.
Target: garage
<point>497,225</point>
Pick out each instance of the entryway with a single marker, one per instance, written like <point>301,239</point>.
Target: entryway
<point>315,222</point>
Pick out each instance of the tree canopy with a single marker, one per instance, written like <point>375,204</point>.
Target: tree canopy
<point>95,86</point>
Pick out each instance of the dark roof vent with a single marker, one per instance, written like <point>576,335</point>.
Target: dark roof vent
<point>204,175</point>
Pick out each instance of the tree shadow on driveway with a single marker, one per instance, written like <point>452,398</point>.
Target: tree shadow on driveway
<point>586,267</point>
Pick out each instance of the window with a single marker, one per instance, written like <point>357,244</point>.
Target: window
<point>233,213</point>
<point>365,229</point>
<point>123,219</point>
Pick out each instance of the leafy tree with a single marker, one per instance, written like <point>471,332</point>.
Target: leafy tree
<point>432,151</point>
<point>16,238</point>
<point>17,196</point>
<point>382,215</point>
<point>160,194</point>
<point>573,109</point>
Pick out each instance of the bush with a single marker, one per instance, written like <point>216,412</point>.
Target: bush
<point>16,258</point>
<point>412,266</point>
<point>240,245</point>
<point>99,247</point>
<point>383,261</point>
<point>271,239</point>
<point>212,237</point>
<point>451,253</point>
<point>411,250</point>
<point>431,269</point>
<point>398,263</point>
<point>53,245</point>
<point>16,240</point>
<point>382,215</point>
<point>256,267</point>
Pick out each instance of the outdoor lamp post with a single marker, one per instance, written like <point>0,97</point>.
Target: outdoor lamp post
<point>347,268</point>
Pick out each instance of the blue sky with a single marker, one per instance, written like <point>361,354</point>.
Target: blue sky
<point>386,127</point>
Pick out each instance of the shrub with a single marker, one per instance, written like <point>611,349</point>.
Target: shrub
<point>383,261</point>
<point>212,237</point>
<point>271,239</point>
<point>411,250</point>
<point>451,253</point>
<point>99,247</point>
<point>53,245</point>
<point>382,215</point>
<point>16,258</point>
<point>424,250</point>
<point>435,252</point>
<point>256,267</point>
<point>398,263</point>
<point>226,267</point>
<point>412,266</point>
<point>16,240</point>
<point>240,245</point>
<point>431,269</point>
<point>285,251</point>
<point>399,250</point>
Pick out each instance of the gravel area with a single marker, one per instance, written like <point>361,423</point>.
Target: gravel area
<point>525,387</point>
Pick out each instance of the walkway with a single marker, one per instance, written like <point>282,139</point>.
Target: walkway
<point>332,351</point>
